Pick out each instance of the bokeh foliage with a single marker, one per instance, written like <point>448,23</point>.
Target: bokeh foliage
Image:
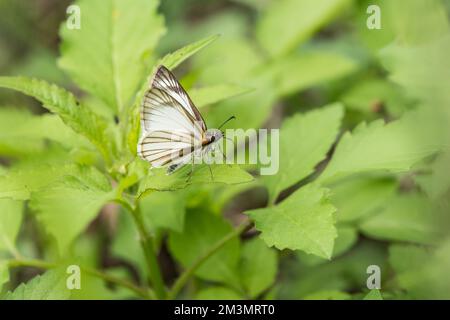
<point>364,149</point>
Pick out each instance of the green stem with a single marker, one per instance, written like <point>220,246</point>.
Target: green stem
<point>188,273</point>
<point>94,272</point>
<point>150,255</point>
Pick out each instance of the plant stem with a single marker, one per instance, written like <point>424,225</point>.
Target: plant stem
<point>94,272</point>
<point>185,276</point>
<point>150,255</point>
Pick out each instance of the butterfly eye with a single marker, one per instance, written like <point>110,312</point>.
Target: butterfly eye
<point>213,138</point>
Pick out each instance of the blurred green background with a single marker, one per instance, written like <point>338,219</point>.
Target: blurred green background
<point>280,58</point>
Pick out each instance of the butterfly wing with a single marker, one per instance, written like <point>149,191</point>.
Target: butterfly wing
<point>172,126</point>
<point>166,81</point>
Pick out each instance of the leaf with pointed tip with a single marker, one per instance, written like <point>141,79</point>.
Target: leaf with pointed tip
<point>304,221</point>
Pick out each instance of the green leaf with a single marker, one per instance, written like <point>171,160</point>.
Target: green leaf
<point>328,295</point>
<point>63,103</point>
<point>373,294</point>
<point>358,196</point>
<point>126,244</point>
<point>10,222</point>
<point>258,266</point>
<point>107,56</point>
<point>217,293</point>
<point>437,183</point>
<point>202,230</point>
<point>163,210</point>
<point>158,180</point>
<point>172,60</point>
<point>304,141</point>
<point>23,133</point>
<point>67,206</point>
<point>216,93</point>
<point>410,217</point>
<point>49,286</point>
<point>317,67</point>
<point>421,271</point>
<point>284,24</point>
<point>19,182</point>
<point>304,221</point>
<point>367,95</point>
<point>347,236</point>
<point>393,147</point>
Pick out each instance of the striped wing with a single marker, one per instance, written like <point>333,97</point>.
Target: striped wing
<point>172,126</point>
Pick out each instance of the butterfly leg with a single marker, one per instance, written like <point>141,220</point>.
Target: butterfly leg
<point>190,172</point>
<point>211,173</point>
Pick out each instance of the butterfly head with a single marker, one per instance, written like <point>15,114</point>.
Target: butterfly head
<point>213,135</point>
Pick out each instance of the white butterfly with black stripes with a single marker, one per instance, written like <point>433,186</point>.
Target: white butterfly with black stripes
<point>173,130</point>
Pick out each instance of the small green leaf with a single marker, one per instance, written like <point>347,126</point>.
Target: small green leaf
<point>202,230</point>
<point>67,206</point>
<point>216,93</point>
<point>172,60</point>
<point>284,24</point>
<point>394,147</point>
<point>373,294</point>
<point>49,286</point>
<point>304,221</point>
<point>258,266</point>
<point>63,103</point>
<point>217,293</point>
<point>304,141</point>
<point>158,180</point>
<point>410,217</point>
<point>107,56</point>
<point>10,222</point>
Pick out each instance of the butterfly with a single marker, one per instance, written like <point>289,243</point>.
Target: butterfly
<point>173,130</point>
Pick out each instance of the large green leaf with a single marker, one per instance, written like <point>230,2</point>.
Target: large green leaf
<point>217,293</point>
<point>358,196</point>
<point>19,183</point>
<point>10,222</point>
<point>284,24</point>
<point>66,207</point>
<point>304,221</point>
<point>258,266</point>
<point>411,217</point>
<point>301,71</point>
<point>420,271</point>
<point>395,146</point>
<point>23,133</point>
<point>304,142</point>
<point>107,56</point>
<point>202,230</point>
<point>157,179</point>
<point>63,103</point>
<point>163,210</point>
<point>4,273</point>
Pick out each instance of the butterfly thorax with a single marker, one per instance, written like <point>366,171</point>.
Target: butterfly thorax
<point>211,136</point>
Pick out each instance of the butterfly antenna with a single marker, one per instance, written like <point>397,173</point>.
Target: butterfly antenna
<point>230,118</point>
